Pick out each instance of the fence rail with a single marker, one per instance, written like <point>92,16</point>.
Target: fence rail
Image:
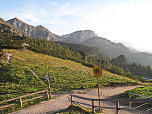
<point>20,98</point>
<point>142,96</point>
<point>111,100</point>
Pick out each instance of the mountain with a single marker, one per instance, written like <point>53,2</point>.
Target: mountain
<point>92,51</point>
<point>43,33</point>
<point>110,48</point>
<point>119,59</point>
<point>76,37</point>
<point>8,26</point>
<point>84,37</point>
<point>128,45</point>
<point>79,36</point>
<point>142,57</point>
<point>34,32</point>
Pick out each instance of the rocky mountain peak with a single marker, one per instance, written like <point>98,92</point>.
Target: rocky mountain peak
<point>87,33</point>
<point>12,28</point>
<point>79,36</point>
<point>32,31</point>
<point>16,22</point>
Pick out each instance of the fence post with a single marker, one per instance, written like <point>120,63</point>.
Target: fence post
<point>130,98</point>
<point>117,107</point>
<point>20,102</point>
<point>47,94</point>
<point>71,99</point>
<point>92,106</point>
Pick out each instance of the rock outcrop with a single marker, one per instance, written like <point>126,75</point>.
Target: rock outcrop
<point>119,59</point>
<point>79,36</point>
<point>34,32</point>
<point>11,28</point>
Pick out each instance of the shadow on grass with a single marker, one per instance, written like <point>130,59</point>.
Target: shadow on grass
<point>73,109</point>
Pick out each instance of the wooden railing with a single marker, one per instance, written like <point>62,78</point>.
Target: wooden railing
<point>20,98</point>
<point>142,97</point>
<point>110,100</point>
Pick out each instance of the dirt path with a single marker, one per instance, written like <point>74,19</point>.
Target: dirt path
<point>61,101</point>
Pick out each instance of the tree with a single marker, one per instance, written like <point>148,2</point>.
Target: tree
<point>148,68</point>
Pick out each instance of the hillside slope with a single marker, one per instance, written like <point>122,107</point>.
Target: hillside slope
<point>17,78</point>
<point>110,48</point>
<point>64,72</point>
<point>92,51</point>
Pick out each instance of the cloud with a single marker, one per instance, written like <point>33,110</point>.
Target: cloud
<point>26,16</point>
<point>128,21</point>
<point>114,20</point>
<point>40,12</point>
<point>53,12</point>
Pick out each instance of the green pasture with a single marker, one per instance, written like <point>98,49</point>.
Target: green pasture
<point>65,75</point>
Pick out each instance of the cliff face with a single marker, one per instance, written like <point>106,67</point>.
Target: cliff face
<point>34,32</point>
<point>12,28</point>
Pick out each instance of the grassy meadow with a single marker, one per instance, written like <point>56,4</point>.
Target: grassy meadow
<point>65,75</point>
<point>16,80</point>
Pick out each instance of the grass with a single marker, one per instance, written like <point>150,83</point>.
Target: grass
<point>139,73</point>
<point>16,78</point>
<point>17,106</point>
<point>65,75</point>
<point>145,91</point>
<point>74,109</point>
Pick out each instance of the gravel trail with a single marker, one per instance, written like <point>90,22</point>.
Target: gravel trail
<point>61,101</point>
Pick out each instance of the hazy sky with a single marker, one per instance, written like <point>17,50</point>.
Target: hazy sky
<point>122,20</point>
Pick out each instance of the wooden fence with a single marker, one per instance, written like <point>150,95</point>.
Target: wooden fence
<point>20,98</point>
<point>117,108</point>
<point>142,97</point>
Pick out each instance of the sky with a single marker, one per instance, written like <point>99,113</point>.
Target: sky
<point>116,20</point>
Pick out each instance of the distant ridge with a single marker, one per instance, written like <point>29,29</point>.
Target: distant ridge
<point>112,49</point>
<point>92,51</point>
